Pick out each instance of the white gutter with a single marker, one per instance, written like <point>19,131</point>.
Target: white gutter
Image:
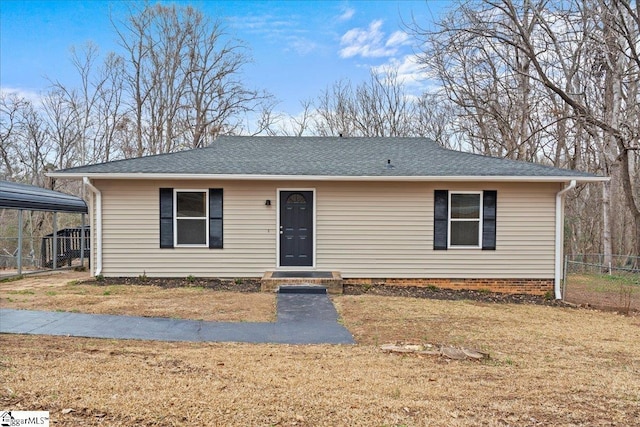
<point>98,222</point>
<point>250,177</point>
<point>559,228</point>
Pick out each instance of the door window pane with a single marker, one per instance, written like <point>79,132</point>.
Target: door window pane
<point>296,198</point>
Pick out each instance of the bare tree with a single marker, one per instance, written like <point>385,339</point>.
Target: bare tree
<point>434,119</point>
<point>131,34</point>
<point>299,124</point>
<point>489,82</point>
<point>182,77</point>
<point>32,147</point>
<point>380,106</point>
<point>64,127</point>
<point>12,108</point>
<point>110,119</point>
<point>508,57</point>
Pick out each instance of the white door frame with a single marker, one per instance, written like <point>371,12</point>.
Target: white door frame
<point>313,265</point>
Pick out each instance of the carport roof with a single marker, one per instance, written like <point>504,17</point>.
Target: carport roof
<point>28,197</point>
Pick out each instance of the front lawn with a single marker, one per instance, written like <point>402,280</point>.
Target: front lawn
<point>183,303</point>
<point>548,366</point>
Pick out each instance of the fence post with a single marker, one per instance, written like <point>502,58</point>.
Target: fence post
<point>19,242</point>
<point>82,243</point>
<point>54,262</point>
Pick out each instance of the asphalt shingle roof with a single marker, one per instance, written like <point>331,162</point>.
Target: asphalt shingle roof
<point>325,156</point>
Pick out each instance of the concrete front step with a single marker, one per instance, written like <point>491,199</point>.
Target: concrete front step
<point>273,280</point>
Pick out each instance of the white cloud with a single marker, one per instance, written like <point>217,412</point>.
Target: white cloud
<point>302,45</point>
<point>34,97</point>
<point>365,42</point>
<point>408,68</point>
<point>288,33</point>
<point>347,14</point>
<point>398,38</point>
<point>371,42</point>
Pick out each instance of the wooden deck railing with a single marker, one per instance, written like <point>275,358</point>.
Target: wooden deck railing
<point>69,246</point>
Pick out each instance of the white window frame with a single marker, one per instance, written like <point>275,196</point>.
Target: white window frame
<point>175,216</point>
<point>478,220</point>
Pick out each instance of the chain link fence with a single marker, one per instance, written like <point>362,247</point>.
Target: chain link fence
<point>9,255</point>
<point>605,283</point>
<point>38,252</point>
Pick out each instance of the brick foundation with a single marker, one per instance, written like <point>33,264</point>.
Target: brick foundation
<point>507,286</point>
<point>271,284</point>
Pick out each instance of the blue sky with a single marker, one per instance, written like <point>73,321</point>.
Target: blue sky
<point>298,47</point>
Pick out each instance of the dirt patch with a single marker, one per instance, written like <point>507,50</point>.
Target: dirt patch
<point>606,292</point>
<point>234,285</point>
<point>548,366</point>
<point>40,280</point>
<point>449,294</point>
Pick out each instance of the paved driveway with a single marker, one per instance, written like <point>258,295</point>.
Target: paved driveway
<point>302,319</point>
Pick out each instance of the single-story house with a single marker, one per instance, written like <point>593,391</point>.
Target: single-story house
<point>401,211</point>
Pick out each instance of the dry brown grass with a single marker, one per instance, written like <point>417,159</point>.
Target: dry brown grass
<point>184,303</point>
<point>620,291</point>
<point>549,366</point>
<point>46,279</point>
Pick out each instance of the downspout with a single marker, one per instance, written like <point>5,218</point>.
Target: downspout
<point>98,222</point>
<point>559,228</point>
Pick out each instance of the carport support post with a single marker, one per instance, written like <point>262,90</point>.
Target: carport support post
<point>55,241</point>
<point>19,242</point>
<point>82,241</point>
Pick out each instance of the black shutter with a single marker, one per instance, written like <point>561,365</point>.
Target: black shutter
<point>440,219</point>
<point>166,217</point>
<point>215,218</point>
<point>489,201</point>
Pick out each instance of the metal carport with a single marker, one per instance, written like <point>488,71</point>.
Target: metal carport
<point>23,197</point>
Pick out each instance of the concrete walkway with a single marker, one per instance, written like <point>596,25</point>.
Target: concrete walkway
<point>302,319</point>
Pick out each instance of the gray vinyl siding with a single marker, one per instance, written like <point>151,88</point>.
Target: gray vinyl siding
<point>363,229</point>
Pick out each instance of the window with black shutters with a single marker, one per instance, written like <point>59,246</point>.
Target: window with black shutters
<point>191,218</point>
<point>464,219</point>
